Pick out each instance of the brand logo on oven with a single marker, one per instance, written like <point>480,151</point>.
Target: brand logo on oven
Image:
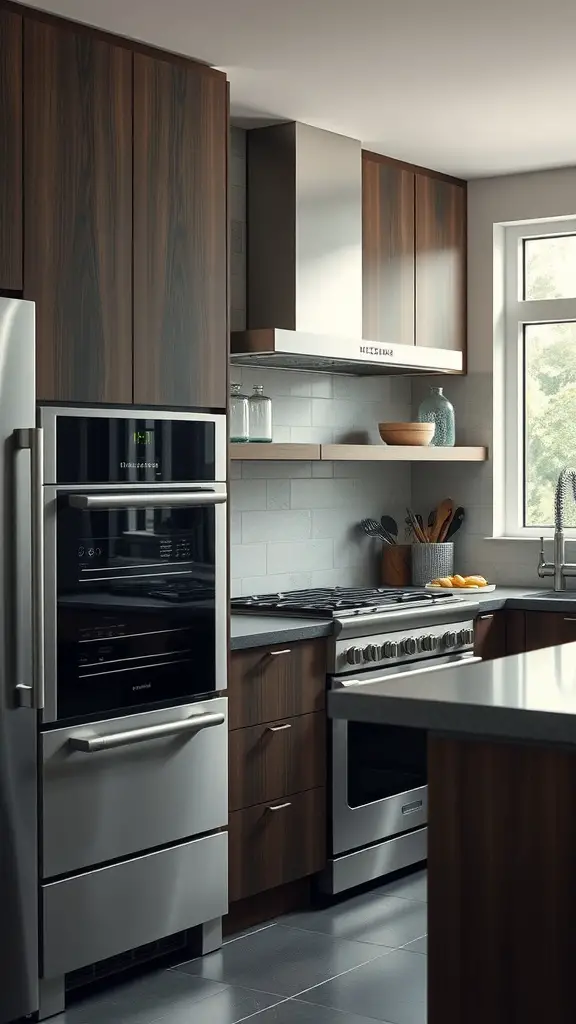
<point>142,686</point>
<point>139,465</point>
<point>376,350</point>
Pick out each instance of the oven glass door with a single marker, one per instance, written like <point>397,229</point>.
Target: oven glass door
<point>140,591</point>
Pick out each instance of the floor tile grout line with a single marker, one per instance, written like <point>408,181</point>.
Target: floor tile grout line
<point>284,999</point>
<point>341,938</point>
<point>342,973</point>
<point>364,1016</point>
<point>246,935</point>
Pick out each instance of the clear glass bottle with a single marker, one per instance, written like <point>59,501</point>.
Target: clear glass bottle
<point>260,415</point>
<point>238,419</point>
<point>437,409</point>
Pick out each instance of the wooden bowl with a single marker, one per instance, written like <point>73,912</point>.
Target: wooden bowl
<point>407,433</point>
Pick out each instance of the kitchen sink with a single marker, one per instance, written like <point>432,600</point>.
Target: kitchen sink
<point>545,595</point>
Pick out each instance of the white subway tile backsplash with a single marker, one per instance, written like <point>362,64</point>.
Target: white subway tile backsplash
<point>301,555</point>
<point>276,526</point>
<point>314,493</point>
<point>275,470</point>
<point>322,469</point>
<point>247,560</point>
<point>274,584</point>
<point>321,385</point>
<point>247,494</point>
<point>277,494</point>
<point>235,528</point>
<point>291,411</point>
<point>311,435</point>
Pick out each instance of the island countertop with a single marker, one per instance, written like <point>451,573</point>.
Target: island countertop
<point>528,696</point>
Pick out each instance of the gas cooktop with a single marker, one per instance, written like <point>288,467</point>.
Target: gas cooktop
<point>329,602</point>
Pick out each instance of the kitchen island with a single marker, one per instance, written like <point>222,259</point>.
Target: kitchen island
<point>501,832</point>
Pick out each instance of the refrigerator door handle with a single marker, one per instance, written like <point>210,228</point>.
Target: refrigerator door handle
<point>206,496</point>
<point>32,695</point>
<point>92,744</point>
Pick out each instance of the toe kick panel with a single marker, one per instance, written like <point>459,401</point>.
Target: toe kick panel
<point>113,909</point>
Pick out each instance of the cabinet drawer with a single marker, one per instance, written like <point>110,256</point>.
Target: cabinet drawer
<point>113,803</point>
<point>271,683</point>
<point>276,843</point>
<point>275,760</point>
<point>548,629</point>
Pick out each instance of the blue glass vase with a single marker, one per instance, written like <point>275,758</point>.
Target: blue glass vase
<point>437,409</point>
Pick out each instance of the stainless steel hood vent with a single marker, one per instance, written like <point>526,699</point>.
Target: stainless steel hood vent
<point>304,270</point>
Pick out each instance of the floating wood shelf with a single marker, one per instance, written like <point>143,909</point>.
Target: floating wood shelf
<point>357,453</point>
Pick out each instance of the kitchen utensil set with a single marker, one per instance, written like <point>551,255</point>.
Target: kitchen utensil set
<point>374,529</point>
<point>443,522</point>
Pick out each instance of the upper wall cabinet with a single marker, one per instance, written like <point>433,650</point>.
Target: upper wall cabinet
<point>10,151</point>
<point>180,234</point>
<point>440,263</point>
<point>78,212</point>
<point>387,252</point>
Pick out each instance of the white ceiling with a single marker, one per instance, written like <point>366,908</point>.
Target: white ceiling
<point>470,88</point>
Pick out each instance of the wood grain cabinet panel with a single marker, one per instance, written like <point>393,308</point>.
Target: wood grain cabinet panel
<point>440,263</point>
<point>78,212</point>
<point>275,760</point>
<point>548,629</point>
<point>180,234</point>
<point>387,252</point>
<point>490,636</point>
<point>269,684</point>
<point>10,151</point>
<point>275,843</point>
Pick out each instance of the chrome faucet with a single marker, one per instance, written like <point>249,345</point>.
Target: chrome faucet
<point>559,569</point>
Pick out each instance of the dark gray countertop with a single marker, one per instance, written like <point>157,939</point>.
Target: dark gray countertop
<point>524,697</point>
<point>260,630</point>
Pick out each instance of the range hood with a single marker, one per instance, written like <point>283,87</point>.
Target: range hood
<point>304,268</point>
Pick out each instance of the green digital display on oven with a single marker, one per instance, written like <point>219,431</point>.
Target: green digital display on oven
<point>143,436</point>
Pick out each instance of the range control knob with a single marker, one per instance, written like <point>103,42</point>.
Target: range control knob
<point>450,639</point>
<point>390,649</point>
<point>354,656</point>
<point>409,645</point>
<point>370,653</point>
<point>468,636</point>
<point>429,642</point>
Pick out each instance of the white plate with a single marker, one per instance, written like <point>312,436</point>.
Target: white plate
<point>461,590</point>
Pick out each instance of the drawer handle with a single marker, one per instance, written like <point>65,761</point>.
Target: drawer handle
<point>279,728</point>
<point>276,654</point>
<point>280,807</point>
<point>92,744</point>
<point>570,618</point>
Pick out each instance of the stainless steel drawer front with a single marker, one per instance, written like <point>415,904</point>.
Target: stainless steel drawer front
<point>105,912</point>
<point>116,787</point>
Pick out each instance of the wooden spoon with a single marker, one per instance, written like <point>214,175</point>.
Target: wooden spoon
<point>444,510</point>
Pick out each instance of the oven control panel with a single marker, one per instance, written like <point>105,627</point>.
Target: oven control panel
<point>402,646</point>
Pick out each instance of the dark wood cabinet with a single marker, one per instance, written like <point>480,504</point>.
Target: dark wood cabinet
<point>490,636</point>
<point>387,251</point>
<point>440,242</point>
<point>276,843</point>
<point>269,684</point>
<point>180,234</point>
<point>547,629</point>
<point>275,760</point>
<point>78,212</point>
<point>10,151</point>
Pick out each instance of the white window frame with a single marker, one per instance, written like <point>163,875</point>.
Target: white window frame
<point>517,313</point>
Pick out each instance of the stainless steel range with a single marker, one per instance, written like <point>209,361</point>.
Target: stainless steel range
<point>378,791</point>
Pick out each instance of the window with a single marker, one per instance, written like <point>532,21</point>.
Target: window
<point>540,372</point>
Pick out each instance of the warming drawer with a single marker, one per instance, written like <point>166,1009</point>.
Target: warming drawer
<point>115,788</point>
<point>101,913</point>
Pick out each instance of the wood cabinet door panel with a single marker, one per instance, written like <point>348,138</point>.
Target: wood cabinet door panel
<point>269,684</point>
<point>10,151</point>
<point>272,844</point>
<point>440,263</point>
<point>547,629</point>
<point>490,636</point>
<point>387,252</point>
<point>271,761</point>
<point>78,212</point>
<point>180,235</point>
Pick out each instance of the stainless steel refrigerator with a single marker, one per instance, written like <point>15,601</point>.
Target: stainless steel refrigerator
<point>20,661</point>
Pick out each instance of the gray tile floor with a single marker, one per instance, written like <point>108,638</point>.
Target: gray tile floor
<point>356,962</point>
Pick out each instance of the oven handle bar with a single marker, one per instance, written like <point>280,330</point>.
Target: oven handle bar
<point>390,675</point>
<point>205,496</point>
<point>33,696</point>
<point>92,744</point>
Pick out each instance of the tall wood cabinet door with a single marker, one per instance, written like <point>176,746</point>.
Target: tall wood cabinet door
<point>180,234</point>
<point>10,151</point>
<point>78,212</point>
<point>387,252</point>
<point>440,263</point>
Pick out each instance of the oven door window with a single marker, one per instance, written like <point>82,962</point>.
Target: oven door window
<point>383,761</point>
<point>136,606</point>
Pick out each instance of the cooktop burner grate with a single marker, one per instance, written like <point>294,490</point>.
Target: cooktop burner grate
<point>326,602</point>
